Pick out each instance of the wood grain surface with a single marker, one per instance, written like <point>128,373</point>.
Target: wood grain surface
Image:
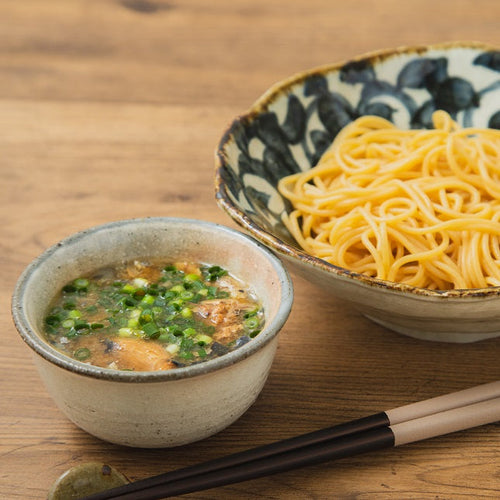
<point>111,109</point>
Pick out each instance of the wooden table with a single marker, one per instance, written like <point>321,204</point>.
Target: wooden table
<point>112,110</point>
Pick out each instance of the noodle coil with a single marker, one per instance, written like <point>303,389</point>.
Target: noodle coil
<point>420,207</point>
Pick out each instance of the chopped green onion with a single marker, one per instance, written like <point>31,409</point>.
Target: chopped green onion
<point>175,330</point>
<point>164,337</point>
<point>215,272</point>
<point>81,284</point>
<point>72,333</point>
<point>202,339</point>
<point>172,349</point>
<point>129,302</point>
<point>186,295</point>
<point>133,323</point>
<point>186,312</point>
<point>82,354</point>
<point>140,282</point>
<point>128,288</point>
<point>189,332</point>
<point>81,325</point>
<point>146,316</point>
<point>176,304</point>
<point>151,329</point>
<point>126,332</point>
<point>148,300</point>
<point>139,294</point>
<point>135,313</point>
<point>251,312</point>
<point>53,320</point>
<point>170,295</point>
<point>252,322</point>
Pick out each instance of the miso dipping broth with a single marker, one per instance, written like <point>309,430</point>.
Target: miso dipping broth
<point>147,316</point>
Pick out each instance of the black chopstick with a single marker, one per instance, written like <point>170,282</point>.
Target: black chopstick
<point>449,413</point>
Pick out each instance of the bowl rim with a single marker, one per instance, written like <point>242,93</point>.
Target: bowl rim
<point>268,239</point>
<point>44,350</point>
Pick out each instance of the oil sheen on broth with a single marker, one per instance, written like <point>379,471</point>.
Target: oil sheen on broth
<point>148,316</point>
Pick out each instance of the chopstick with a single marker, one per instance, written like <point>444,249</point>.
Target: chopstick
<point>453,412</point>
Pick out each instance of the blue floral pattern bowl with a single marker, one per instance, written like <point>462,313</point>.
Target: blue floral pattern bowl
<point>292,124</point>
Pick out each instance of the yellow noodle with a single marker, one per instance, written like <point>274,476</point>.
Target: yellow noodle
<point>420,207</point>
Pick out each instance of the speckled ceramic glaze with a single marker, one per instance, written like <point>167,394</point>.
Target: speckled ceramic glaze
<point>163,408</point>
<point>292,124</point>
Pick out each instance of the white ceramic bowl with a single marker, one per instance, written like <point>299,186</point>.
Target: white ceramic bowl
<point>163,408</point>
<point>290,126</point>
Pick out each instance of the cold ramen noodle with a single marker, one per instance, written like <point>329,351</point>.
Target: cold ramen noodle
<point>147,316</point>
<point>420,207</point>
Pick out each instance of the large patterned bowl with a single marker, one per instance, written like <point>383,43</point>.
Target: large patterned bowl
<point>290,126</point>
